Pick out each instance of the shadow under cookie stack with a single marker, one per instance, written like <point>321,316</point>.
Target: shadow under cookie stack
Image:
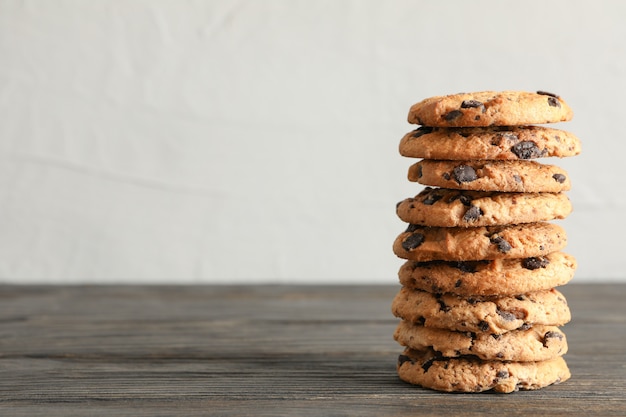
<point>478,302</point>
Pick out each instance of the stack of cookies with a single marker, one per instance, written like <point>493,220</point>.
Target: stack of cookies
<point>478,302</point>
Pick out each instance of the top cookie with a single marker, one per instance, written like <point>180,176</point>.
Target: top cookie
<point>490,108</point>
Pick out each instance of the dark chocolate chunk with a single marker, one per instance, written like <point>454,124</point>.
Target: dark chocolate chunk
<point>466,104</point>
<point>506,315</point>
<point>413,241</point>
<point>426,365</point>
<point>503,245</point>
<point>464,199</point>
<point>502,374</point>
<point>404,358</point>
<point>472,214</point>
<point>454,114</point>
<point>467,266</point>
<point>483,326</point>
<point>458,283</point>
<point>535,263</point>
<point>551,335</point>
<point>422,130</point>
<point>442,306</point>
<point>464,173</point>
<point>419,171</point>
<point>431,198</point>
<point>554,102</point>
<point>545,93</point>
<point>560,178</point>
<point>527,150</point>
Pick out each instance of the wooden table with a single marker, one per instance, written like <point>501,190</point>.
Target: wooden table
<point>264,351</point>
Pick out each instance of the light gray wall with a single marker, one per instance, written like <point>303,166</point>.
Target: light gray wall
<point>256,141</point>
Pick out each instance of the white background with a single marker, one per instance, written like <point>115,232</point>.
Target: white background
<point>256,141</point>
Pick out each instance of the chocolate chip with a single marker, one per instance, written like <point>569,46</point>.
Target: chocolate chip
<point>426,365</point>
<point>502,374</point>
<point>458,283</point>
<point>467,266</point>
<point>412,241</point>
<point>554,102</point>
<point>472,214</point>
<point>527,150</point>
<point>466,104</point>
<point>422,130</point>
<point>483,326</point>
<point>535,263</point>
<point>464,199</point>
<point>503,245</point>
<point>442,305</point>
<point>506,315</point>
<point>404,358</point>
<point>560,178</point>
<point>545,93</point>
<point>454,114</point>
<point>432,198</point>
<point>464,173</point>
<point>446,176</point>
<point>419,171</point>
<point>551,335</point>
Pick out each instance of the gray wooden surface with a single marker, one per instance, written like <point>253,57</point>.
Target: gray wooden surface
<point>264,351</point>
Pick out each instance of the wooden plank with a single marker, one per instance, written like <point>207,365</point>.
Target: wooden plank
<point>263,350</point>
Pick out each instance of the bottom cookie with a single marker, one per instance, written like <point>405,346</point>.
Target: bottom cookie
<point>469,374</point>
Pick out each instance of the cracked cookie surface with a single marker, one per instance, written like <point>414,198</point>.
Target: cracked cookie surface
<point>497,277</point>
<point>538,343</point>
<point>450,208</point>
<point>496,142</point>
<point>484,175</point>
<point>495,315</point>
<point>423,243</point>
<point>489,108</point>
<point>469,374</point>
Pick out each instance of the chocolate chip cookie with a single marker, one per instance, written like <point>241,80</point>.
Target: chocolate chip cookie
<point>498,277</point>
<point>451,208</point>
<point>537,343</point>
<point>483,175</point>
<point>496,142</point>
<point>495,315</point>
<point>428,369</point>
<point>489,108</point>
<point>422,243</point>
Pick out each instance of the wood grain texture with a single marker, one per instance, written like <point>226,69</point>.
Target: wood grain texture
<point>264,350</point>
